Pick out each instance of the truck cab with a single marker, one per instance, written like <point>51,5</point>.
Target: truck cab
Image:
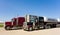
<point>30,22</point>
<point>15,23</point>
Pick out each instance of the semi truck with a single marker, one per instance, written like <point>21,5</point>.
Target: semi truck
<point>15,23</point>
<point>33,22</point>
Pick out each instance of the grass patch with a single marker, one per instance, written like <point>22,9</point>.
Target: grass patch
<point>1,24</point>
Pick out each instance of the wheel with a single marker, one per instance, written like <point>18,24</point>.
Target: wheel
<point>47,26</point>
<point>30,29</point>
<point>25,28</point>
<point>53,25</point>
<point>7,27</point>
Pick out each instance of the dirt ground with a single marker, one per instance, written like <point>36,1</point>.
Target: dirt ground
<point>54,31</point>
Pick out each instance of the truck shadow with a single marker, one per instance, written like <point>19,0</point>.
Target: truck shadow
<point>41,29</point>
<point>31,30</point>
<point>14,29</point>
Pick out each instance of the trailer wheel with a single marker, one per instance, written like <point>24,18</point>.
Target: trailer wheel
<point>53,26</point>
<point>7,27</point>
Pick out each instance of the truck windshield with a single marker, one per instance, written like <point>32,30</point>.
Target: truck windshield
<point>41,19</point>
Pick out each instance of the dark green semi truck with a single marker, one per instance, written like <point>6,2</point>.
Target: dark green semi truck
<point>38,22</point>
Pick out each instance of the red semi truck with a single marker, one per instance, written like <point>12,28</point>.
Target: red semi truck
<point>15,23</point>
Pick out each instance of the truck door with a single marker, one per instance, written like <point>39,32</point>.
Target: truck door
<point>41,22</point>
<point>14,22</point>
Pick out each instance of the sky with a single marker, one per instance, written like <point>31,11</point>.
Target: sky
<point>13,8</point>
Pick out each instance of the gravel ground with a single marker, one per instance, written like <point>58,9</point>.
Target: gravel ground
<point>55,31</point>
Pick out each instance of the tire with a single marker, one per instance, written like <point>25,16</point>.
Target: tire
<point>53,25</point>
<point>30,29</point>
<point>7,27</point>
<point>47,26</point>
<point>25,29</point>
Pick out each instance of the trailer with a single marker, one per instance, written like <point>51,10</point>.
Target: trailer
<point>15,23</point>
<point>33,22</point>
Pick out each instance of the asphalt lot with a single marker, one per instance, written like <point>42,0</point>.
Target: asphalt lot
<point>54,31</point>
